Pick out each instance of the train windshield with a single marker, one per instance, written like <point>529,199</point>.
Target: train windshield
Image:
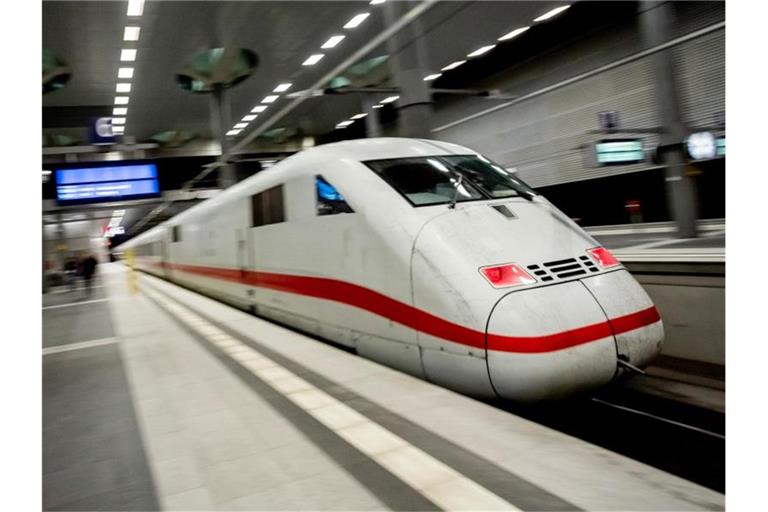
<point>435,180</point>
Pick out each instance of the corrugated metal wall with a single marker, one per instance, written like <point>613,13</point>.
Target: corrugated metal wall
<point>546,138</point>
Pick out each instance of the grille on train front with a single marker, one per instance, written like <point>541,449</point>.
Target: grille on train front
<point>563,269</point>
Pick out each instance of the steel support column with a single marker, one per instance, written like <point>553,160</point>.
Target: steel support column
<point>221,121</point>
<point>656,23</point>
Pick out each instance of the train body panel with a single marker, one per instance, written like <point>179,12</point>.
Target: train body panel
<point>322,243</point>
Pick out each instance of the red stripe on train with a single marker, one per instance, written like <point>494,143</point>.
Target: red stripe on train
<point>377,303</point>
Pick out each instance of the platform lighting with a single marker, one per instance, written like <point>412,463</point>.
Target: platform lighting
<point>118,120</point>
<point>131,33</point>
<point>270,99</point>
<point>332,42</point>
<point>239,126</point>
<point>378,106</point>
<point>313,59</point>
<point>119,111</point>
<point>344,124</point>
<point>481,51</point>
<point>135,7</point>
<point>121,100</point>
<point>377,2</point>
<point>453,65</point>
<point>127,55</point>
<point>123,88</point>
<point>258,109</point>
<point>359,116</point>
<point>46,172</point>
<point>125,73</point>
<point>551,14</point>
<point>357,20</point>
<point>230,133</point>
<point>432,77</point>
<point>514,33</point>
<point>282,87</point>
<point>250,118</point>
<point>118,129</point>
<point>389,100</point>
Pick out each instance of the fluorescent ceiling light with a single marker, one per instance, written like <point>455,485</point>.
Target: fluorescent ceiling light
<point>46,172</point>
<point>389,100</point>
<point>125,73</point>
<point>282,87</point>
<point>514,33</point>
<point>453,65</point>
<point>118,120</point>
<point>240,125</point>
<point>357,20</point>
<point>270,99</point>
<point>432,77</point>
<point>552,13</point>
<point>314,59</point>
<point>119,111</point>
<point>378,106</point>
<point>260,108</point>
<point>358,116</point>
<point>332,42</point>
<point>123,88</point>
<point>377,2</point>
<point>233,132</point>
<point>480,51</point>
<point>131,33</point>
<point>121,100</point>
<point>344,124</point>
<point>135,7</point>
<point>118,129</point>
<point>128,55</point>
<point>250,118</point>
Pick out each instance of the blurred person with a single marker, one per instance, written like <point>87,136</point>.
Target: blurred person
<point>87,270</point>
<point>70,273</point>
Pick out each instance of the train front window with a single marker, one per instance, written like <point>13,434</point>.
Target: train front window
<point>435,180</point>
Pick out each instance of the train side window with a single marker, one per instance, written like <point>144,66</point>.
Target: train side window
<point>329,201</point>
<point>267,207</point>
<point>176,234</point>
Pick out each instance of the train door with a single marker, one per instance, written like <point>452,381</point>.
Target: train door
<point>165,261</point>
<point>246,263</point>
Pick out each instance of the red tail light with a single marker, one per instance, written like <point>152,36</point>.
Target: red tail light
<point>603,257</point>
<point>502,276</point>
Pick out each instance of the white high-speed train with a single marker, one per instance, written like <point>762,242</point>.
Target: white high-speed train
<point>424,256</point>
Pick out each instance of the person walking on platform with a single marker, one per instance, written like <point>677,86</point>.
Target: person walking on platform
<point>88,269</point>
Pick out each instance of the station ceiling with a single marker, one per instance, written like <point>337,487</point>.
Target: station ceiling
<point>88,35</point>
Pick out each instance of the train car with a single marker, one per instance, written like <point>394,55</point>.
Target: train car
<point>424,256</point>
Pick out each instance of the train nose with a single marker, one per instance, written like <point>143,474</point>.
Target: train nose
<point>547,342</point>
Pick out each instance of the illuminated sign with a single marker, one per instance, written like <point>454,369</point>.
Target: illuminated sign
<point>112,183</point>
<point>701,145</point>
<point>619,151</point>
<point>720,143</point>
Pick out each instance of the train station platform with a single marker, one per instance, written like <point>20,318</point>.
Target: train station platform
<point>161,398</point>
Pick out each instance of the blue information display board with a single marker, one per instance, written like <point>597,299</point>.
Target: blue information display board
<point>101,184</point>
<point>619,151</point>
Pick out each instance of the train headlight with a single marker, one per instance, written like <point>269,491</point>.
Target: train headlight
<point>502,276</point>
<point>603,257</point>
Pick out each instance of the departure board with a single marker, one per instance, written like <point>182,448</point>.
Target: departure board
<point>106,183</point>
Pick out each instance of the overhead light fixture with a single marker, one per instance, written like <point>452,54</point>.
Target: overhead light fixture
<point>125,73</point>
<point>118,129</point>
<point>240,125</point>
<point>552,13</point>
<point>135,7</point>
<point>514,33</point>
<point>131,33</point>
<point>482,50</point>
<point>230,133</point>
<point>377,2</point>
<point>119,111</point>
<point>270,99</point>
<point>282,87</point>
<point>127,55</point>
<point>357,20</point>
<point>260,108</point>
<point>121,100</point>
<point>432,77</point>
<point>118,120</point>
<point>332,42</point>
<point>453,65</point>
<point>123,88</point>
<point>312,60</point>
<point>378,106</point>
<point>250,117</point>
<point>344,124</point>
<point>389,100</point>
<point>358,116</point>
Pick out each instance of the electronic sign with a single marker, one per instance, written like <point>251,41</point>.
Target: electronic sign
<point>701,145</point>
<point>619,151</point>
<point>720,143</point>
<point>108,183</point>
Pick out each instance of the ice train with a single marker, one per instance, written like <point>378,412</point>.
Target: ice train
<point>424,256</point>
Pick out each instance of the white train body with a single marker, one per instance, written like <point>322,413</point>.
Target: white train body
<point>403,284</point>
